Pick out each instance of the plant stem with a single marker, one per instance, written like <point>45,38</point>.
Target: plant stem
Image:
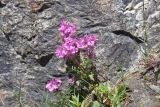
<point>76,62</point>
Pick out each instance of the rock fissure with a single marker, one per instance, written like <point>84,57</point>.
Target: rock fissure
<point>128,34</point>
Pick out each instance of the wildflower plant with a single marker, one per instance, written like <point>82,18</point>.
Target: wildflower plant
<point>78,52</point>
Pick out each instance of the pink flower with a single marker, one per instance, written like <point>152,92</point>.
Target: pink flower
<point>54,84</point>
<point>70,44</point>
<point>68,48</point>
<point>71,81</point>
<point>82,44</point>
<point>91,41</point>
<point>61,52</point>
<point>88,41</point>
<point>67,29</point>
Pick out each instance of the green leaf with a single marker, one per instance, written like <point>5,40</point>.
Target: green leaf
<point>72,102</point>
<point>141,105</point>
<point>87,101</point>
<point>96,104</point>
<point>91,76</point>
<point>84,103</point>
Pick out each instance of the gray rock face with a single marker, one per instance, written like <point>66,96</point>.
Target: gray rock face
<point>115,54</point>
<point>141,93</point>
<point>29,35</point>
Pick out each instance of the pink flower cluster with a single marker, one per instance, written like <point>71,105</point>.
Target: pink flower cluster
<point>87,42</point>
<point>71,44</point>
<point>69,47</point>
<point>53,84</point>
<point>67,29</point>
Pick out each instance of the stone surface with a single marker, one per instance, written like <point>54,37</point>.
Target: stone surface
<point>115,54</point>
<point>141,94</point>
<point>29,35</point>
<point>155,88</point>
